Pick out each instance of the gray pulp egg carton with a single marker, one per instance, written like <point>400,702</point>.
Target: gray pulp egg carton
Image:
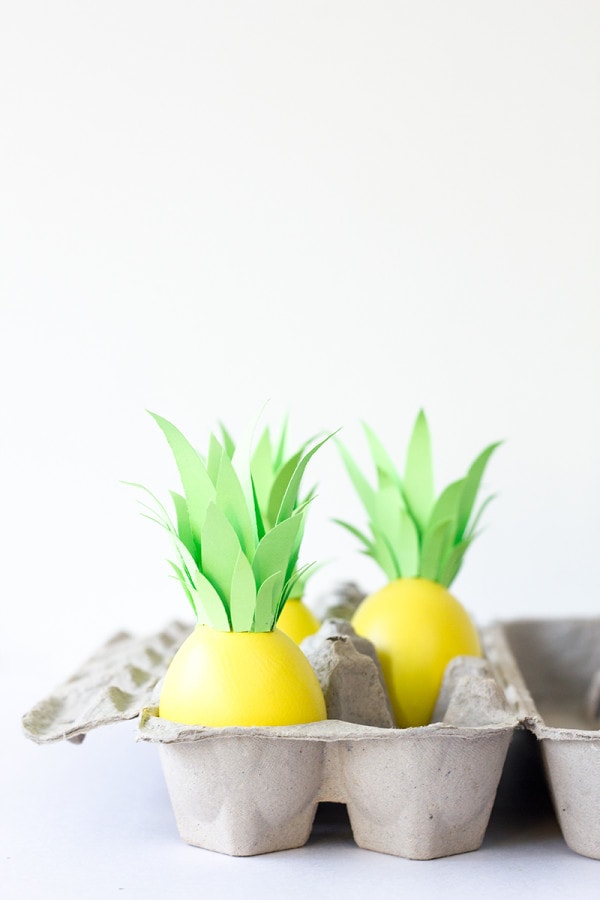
<point>550,671</point>
<point>416,792</point>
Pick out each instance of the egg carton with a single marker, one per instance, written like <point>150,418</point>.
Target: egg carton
<point>550,671</point>
<point>417,792</point>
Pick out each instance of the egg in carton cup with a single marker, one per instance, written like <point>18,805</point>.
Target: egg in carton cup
<point>420,793</point>
<point>252,735</point>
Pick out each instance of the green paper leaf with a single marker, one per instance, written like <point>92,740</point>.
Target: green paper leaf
<point>160,516</point>
<point>262,469</point>
<point>418,474</point>
<point>408,551</point>
<point>364,490</point>
<point>451,565</point>
<point>159,506</point>
<point>471,532</point>
<point>231,500</point>
<point>227,441</point>
<point>389,507</point>
<point>471,489</point>
<point>209,606</point>
<point>260,525</point>
<point>188,563</point>
<point>279,487</point>
<point>220,549</point>
<point>241,464</point>
<point>447,507</point>
<point>383,554</point>
<point>435,547</point>
<point>197,486</point>
<point>183,522</point>
<point>382,459</point>
<point>274,550</point>
<point>215,613</point>
<point>243,595</point>
<point>357,534</point>
<point>184,584</point>
<point>299,576</point>
<point>291,494</point>
<point>213,463</point>
<point>267,601</point>
<point>279,457</point>
<point>295,552</point>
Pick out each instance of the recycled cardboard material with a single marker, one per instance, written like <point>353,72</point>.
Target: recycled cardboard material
<point>349,674</point>
<point>113,685</point>
<point>416,792</point>
<point>549,670</point>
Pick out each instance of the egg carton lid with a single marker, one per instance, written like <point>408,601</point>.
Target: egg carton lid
<point>114,684</point>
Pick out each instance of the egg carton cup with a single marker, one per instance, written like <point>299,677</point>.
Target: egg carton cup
<point>417,792</point>
<point>550,671</point>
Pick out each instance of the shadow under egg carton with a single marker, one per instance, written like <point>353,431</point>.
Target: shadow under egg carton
<point>550,672</point>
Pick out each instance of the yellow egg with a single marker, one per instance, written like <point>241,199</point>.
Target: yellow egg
<point>221,678</point>
<point>297,621</point>
<point>417,627</point>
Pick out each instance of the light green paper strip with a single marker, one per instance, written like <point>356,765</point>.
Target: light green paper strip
<point>215,614</point>
<point>362,487</point>
<point>435,547</point>
<point>408,550</point>
<point>381,458</point>
<point>384,555</point>
<point>183,581</point>
<point>183,521</point>
<point>389,506</point>
<point>447,507</point>
<point>197,486</point>
<point>279,457</point>
<point>230,498</point>
<point>267,601</point>
<point>472,529</point>
<point>291,493</point>
<point>279,487</point>
<point>213,462</point>
<point>220,549</point>
<point>418,474</point>
<point>451,566</point>
<point>243,595</point>
<point>227,441</point>
<point>275,550</point>
<point>241,464</point>
<point>262,468</point>
<point>356,532</point>
<point>472,483</point>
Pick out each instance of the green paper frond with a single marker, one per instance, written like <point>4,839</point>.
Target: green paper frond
<point>413,533</point>
<point>236,564</point>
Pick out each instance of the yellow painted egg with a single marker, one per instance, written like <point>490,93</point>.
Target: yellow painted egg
<point>417,627</point>
<point>297,620</point>
<point>222,678</point>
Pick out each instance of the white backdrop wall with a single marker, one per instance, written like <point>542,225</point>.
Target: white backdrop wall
<point>350,209</point>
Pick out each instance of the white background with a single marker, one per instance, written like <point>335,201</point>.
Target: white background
<point>351,210</point>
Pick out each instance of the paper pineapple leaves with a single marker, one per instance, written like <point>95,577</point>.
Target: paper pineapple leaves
<point>411,532</point>
<point>236,565</point>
